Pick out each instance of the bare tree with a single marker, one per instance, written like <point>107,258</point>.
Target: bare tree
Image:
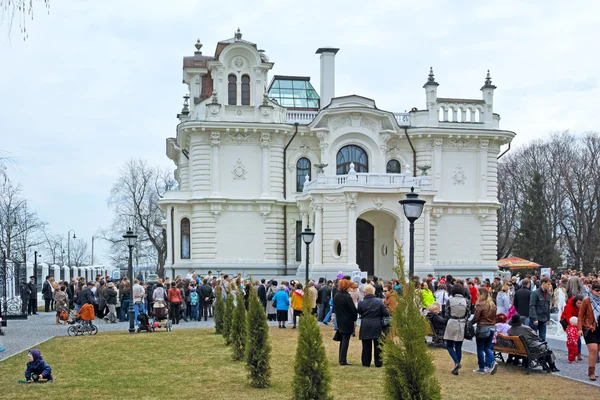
<point>22,11</point>
<point>80,254</point>
<point>135,200</point>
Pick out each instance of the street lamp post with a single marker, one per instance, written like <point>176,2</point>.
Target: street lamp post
<point>307,236</point>
<point>130,239</point>
<point>35,267</point>
<point>413,208</point>
<point>69,245</point>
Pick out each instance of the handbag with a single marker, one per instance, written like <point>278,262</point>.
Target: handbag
<point>484,332</point>
<point>386,321</point>
<point>469,330</point>
<point>337,337</point>
<point>564,323</point>
<point>274,303</point>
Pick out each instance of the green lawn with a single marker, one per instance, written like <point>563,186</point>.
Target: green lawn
<point>196,363</point>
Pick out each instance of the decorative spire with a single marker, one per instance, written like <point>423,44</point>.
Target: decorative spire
<point>186,109</point>
<point>488,81</point>
<point>238,35</point>
<point>198,46</point>
<point>431,78</point>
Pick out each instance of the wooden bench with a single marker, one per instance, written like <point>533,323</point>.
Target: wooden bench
<point>515,345</point>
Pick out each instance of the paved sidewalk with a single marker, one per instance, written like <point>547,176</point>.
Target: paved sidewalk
<point>21,335</point>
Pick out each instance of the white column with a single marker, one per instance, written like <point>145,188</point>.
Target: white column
<point>265,142</point>
<point>215,141</point>
<point>427,250</point>
<point>56,272</point>
<point>67,272</point>
<point>74,271</point>
<point>437,163</point>
<point>352,234</point>
<point>318,241</point>
<point>170,213</point>
<point>483,163</point>
<point>303,246</point>
<point>29,267</point>
<point>44,270</point>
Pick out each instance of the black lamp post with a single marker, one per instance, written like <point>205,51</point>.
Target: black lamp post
<point>130,239</point>
<point>413,208</point>
<point>307,236</point>
<point>69,246</point>
<point>35,269</point>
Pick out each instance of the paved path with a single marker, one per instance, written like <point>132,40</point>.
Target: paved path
<point>21,335</point>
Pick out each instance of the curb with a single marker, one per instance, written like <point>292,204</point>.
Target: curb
<point>27,348</point>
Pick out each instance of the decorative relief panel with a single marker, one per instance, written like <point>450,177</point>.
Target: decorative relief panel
<point>459,176</point>
<point>378,203</point>
<point>460,144</point>
<point>304,148</point>
<point>240,136</point>
<point>239,63</point>
<point>239,171</point>
<point>340,122</point>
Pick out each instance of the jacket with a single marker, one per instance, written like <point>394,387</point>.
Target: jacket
<point>312,296</point>
<point>378,290</point>
<point>485,314</point>
<point>371,310</point>
<point>110,296</point>
<point>569,311</point>
<point>324,294</point>
<point>282,299</point>
<point>60,299</point>
<point>25,291</point>
<point>391,302</point>
<point>521,301</point>
<point>174,295</point>
<point>345,312</point>
<point>457,313</point>
<point>37,366</point>
<point>297,300</point>
<point>262,294</point>
<point>539,305</point>
<point>586,316</point>
<point>503,303</point>
<point>47,290</point>
<point>531,338</point>
<point>205,292</point>
<point>438,322</point>
<point>86,297</point>
<point>427,297</point>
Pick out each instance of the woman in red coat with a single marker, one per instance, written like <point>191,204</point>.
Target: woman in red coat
<point>572,310</point>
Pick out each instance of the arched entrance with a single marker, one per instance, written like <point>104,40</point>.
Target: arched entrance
<point>365,246</point>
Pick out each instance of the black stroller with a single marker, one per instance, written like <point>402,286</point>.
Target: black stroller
<point>144,323</point>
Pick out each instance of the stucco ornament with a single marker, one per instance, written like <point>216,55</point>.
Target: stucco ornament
<point>461,144</point>
<point>239,171</point>
<point>304,149</point>
<point>459,176</point>
<point>341,122</point>
<point>378,203</point>
<point>239,136</point>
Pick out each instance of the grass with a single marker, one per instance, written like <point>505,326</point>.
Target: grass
<point>174,364</point>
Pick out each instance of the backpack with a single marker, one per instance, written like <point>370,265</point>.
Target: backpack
<point>193,298</point>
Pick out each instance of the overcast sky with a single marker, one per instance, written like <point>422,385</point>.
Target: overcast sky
<point>99,82</point>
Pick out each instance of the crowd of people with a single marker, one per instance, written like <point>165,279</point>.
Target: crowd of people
<point>519,306</point>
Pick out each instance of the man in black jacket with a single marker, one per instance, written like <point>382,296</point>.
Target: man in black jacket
<point>205,294</point>
<point>32,303</point>
<point>47,293</point>
<point>539,308</point>
<point>324,295</point>
<point>110,297</point>
<point>378,288</point>
<point>262,294</point>
<point>25,296</point>
<point>522,298</point>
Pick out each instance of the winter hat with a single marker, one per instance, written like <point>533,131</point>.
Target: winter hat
<point>516,320</point>
<point>573,321</point>
<point>340,275</point>
<point>35,353</point>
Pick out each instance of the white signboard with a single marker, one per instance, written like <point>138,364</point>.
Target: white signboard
<point>545,272</point>
<point>356,276</point>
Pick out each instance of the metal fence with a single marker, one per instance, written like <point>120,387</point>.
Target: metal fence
<point>12,275</point>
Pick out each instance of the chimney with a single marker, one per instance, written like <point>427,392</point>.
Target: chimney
<point>327,74</point>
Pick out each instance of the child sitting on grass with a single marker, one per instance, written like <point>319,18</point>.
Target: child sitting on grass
<point>37,370</point>
<point>572,336</point>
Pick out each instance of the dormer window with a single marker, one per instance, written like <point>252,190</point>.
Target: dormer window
<point>232,90</point>
<point>245,90</point>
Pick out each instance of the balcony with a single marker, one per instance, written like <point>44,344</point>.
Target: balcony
<point>367,181</point>
<point>306,117</point>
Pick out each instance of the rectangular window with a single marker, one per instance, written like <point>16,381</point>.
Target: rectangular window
<point>298,240</point>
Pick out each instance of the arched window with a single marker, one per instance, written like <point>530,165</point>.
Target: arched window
<point>352,154</point>
<point>302,169</point>
<point>393,167</point>
<point>185,239</point>
<point>232,90</point>
<point>245,90</point>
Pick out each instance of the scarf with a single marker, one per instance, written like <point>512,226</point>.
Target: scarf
<point>595,300</point>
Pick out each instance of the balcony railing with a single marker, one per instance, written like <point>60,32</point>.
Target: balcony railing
<point>365,180</point>
<point>306,117</point>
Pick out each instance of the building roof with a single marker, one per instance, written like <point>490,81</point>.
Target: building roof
<point>293,92</point>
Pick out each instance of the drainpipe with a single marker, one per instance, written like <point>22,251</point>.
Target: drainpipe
<point>414,152</point>
<point>504,152</point>
<point>285,197</point>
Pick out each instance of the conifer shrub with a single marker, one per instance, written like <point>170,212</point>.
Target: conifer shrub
<point>219,310</point>
<point>312,380</point>
<point>408,362</point>
<point>237,332</point>
<point>258,346</point>
<point>228,318</point>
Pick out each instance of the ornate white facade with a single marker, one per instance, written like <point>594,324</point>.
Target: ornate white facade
<point>241,201</point>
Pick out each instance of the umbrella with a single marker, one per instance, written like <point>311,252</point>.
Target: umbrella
<point>516,263</point>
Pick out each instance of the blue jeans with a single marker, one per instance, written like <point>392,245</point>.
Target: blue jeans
<point>194,311</point>
<point>455,350</point>
<point>137,308</point>
<point>485,355</point>
<point>540,328</point>
<point>124,310</point>
<point>328,315</point>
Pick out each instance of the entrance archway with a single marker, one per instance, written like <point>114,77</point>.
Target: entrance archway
<point>365,246</point>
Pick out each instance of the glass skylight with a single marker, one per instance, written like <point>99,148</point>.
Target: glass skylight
<point>293,92</point>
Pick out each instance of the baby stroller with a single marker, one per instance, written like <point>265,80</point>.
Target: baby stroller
<point>144,323</point>
<point>160,318</point>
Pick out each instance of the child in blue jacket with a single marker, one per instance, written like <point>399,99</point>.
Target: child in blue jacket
<point>37,370</point>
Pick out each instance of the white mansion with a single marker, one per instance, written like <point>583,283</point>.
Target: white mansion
<point>259,160</point>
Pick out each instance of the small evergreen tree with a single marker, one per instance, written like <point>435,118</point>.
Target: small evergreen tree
<point>258,347</point>
<point>312,380</point>
<point>409,369</point>
<point>219,310</point>
<point>228,318</point>
<point>238,328</point>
